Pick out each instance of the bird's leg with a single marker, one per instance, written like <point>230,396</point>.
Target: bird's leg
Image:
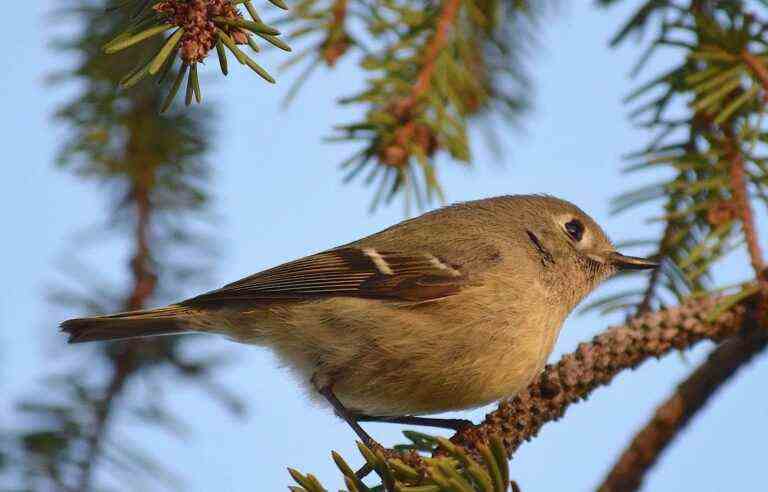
<point>341,411</point>
<point>455,424</point>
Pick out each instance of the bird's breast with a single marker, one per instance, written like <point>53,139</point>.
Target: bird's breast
<point>451,354</point>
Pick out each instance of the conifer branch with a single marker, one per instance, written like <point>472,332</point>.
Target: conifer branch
<point>714,117</point>
<point>672,416</point>
<point>200,26</point>
<point>410,131</point>
<point>158,165</point>
<point>419,102</point>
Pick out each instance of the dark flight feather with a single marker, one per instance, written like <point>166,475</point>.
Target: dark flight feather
<point>350,272</point>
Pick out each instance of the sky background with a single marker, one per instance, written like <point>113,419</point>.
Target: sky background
<point>278,195</point>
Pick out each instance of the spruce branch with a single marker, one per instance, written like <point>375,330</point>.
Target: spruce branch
<point>722,69</point>
<point>199,27</point>
<point>408,471</point>
<point>432,70</point>
<point>672,416</point>
<point>723,103</point>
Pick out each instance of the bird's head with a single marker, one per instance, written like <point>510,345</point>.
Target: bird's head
<point>573,250</point>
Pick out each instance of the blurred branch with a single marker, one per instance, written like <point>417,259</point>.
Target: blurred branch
<point>144,281</point>
<point>337,41</point>
<point>123,368</point>
<point>438,42</point>
<point>675,413</point>
<point>157,178</point>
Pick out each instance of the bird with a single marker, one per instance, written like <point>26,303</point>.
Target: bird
<point>447,311</point>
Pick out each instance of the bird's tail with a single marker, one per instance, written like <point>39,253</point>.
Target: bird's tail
<point>132,324</point>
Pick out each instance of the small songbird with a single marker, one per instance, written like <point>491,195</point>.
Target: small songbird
<point>451,310</point>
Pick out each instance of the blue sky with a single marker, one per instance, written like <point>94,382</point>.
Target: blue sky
<point>278,195</point>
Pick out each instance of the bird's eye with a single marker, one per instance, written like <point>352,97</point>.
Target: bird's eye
<point>575,229</point>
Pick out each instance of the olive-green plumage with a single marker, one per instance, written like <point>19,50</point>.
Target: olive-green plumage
<point>453,309</point>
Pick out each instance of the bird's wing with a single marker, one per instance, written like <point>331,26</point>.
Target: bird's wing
<point>346,272</point>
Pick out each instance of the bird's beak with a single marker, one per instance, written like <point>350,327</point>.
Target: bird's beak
<point>624,262</point>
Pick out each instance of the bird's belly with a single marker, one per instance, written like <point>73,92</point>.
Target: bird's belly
<point>439,394</point>
<point>407,361</point>
<point>468,376</point>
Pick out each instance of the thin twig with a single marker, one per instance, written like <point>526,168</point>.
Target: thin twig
<point>653,281</point>
<point>741,198</point>
<point>669,230</point>
<point>337,41</point>
<point>405,109</point>
<point>435,46</point>
<point>122,368</point>
<point>739,186</point>
<point>339,12</point>
<point>675,413</point>
<point>758,69</point>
